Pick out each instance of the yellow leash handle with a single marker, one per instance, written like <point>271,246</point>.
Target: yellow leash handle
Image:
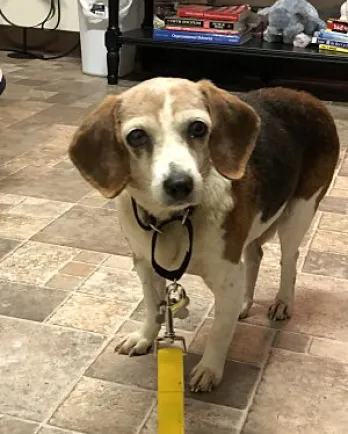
<point>171,390</point>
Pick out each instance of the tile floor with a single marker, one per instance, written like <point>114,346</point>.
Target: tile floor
<point>67,289</point>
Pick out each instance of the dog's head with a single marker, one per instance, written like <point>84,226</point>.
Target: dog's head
<point>160,139</point>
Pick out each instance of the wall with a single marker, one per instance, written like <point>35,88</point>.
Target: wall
<point>31,12</point>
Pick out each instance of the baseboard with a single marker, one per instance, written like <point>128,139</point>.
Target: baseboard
<point>39,40</point>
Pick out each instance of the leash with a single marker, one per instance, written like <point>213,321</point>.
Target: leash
<point>170,357</point>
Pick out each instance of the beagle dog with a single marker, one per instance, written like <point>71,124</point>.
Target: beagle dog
<point>247,166</point>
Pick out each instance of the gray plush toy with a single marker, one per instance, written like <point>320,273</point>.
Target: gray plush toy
<point>292,22</point>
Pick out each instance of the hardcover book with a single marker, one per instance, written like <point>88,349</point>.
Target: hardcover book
<point>223,13</point>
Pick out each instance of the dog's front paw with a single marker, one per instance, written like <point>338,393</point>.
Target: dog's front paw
<point>204,378</point>
<point>133,344</point>
<point>279,310</point>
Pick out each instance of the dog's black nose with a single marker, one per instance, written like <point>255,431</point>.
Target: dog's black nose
<point>178,186</point>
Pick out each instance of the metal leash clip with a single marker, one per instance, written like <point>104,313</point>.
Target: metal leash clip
<point>176,297</point>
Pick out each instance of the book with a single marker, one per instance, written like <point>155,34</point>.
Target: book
<point>333,36</point>
<point>338,44</point>
<point>222,13</point>
<point>331,48</point>
<point>203,38</point>
<point>197,30</point>
<point>338,26</point>
<point>204,24</point>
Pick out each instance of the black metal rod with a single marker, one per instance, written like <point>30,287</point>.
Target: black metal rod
<point>148,14</point>
<point>112,43</point>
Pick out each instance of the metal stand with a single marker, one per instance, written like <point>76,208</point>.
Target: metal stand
<point>23,53</point>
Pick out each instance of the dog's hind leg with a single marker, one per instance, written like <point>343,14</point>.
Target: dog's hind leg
<point>252,258</point>
<point>139,342</point>
<point>292,228</point>
<point>253,254</point>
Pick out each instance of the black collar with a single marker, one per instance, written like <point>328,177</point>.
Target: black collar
<point>152,224</point>
<point>156,228</point>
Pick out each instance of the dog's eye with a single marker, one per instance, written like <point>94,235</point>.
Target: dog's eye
<point>197,129</point>
<point>137,138</point>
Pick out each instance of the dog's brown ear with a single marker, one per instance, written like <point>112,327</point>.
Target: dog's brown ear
<point>98,152</point>
<point>235,128</point>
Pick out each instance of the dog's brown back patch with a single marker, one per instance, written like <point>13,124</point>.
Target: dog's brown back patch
<point>295,156</point>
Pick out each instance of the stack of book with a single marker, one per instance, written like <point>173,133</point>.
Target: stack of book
<point>207,25</point>
<point>334,37</point>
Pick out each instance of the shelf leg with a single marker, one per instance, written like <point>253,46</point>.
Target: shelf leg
<point>112,43</point>
<point>148,14</point>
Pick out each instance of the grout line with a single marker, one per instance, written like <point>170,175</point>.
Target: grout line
<point>52,326</point>
<point>256,386</point>
<point>71,387</point>
<point>336,173</point>
<point>20,418</point>
<point>147,417</point>
<point>19,245</point>
<point>69,295</point>
<point>200,324</point>
<point>309,344</point>
<point>59,430</point>
<point>334,278</point>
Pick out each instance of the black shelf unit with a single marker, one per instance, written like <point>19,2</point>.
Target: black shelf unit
<point>256,48</point>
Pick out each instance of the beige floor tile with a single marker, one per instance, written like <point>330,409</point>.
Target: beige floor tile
<point>118,261</point>
<point>329,349</point>
<point>91,257</point>
<point>341,182</point>
<point>95,202</point>
<point>91,313</point>
<point>53,183</point>
<point>38,363</point>
<point>28,302</point>
<point>326,264</point>
<point>300,394</point>
<point>250,344</point>
<point>11,167</point>
<point>330,242</point>
<point>203,418</point>
<point>35,262</point>
<point>333,222</point>
<point>11,199</point>
<point>339,192</point>
<point>319,310</point>
<point>6,246</point>
<point>340,112</point>
<point>117,284</point>
<point>35,207</point>
<point>77,269</point>
<point>296,342</point>
<point>21,227</point>
<point>87,228</point>
<point>334,205</point>
<point>104,408</point>
<point>54,430</point>
<point>9,425</point>
<point>68,283</point>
